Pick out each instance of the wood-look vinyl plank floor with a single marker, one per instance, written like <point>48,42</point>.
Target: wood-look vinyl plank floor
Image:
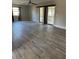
<point>37,41</point>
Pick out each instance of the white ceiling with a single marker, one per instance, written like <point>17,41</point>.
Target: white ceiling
<point>25,2</point>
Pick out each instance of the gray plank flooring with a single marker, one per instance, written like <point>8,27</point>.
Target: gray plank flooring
<point>36,41</point>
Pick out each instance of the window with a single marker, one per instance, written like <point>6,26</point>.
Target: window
<point>51,13</point>
<point>42,14</point>
<point>15,11</point>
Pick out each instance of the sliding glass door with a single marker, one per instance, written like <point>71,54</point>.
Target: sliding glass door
<point>47,14</point>
<point>41,14</point>
<point>51,13</point>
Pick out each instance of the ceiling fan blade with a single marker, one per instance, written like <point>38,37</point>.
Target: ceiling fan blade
<point>34,3</point>
<point>30,2</point>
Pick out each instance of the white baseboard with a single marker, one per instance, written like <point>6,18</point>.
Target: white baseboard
<point>60,27</point>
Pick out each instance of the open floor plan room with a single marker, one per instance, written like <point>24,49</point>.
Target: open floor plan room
<point>38,29</point>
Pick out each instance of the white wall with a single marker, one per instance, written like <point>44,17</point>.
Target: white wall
<point>35,14</point>
<point>60,16</point>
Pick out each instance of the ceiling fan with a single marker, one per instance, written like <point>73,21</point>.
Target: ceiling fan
<point>30,3</point>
